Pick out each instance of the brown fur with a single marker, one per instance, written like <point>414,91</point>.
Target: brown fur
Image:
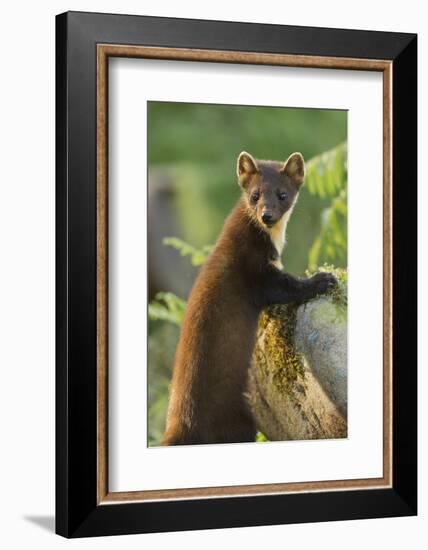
<point>207,401</point>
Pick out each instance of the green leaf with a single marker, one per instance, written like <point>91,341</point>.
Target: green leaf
<point>261,438</point>
<point>331,243</point>
<point>198,256</point>
<point>326,174</point>
<point>167,307</point>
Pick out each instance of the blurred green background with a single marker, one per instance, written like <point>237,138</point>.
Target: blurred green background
<point>192,152</point>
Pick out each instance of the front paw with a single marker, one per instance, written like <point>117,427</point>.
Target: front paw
<point>323,282</point>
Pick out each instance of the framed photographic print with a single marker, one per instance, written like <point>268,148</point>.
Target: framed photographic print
<point>236,274</point>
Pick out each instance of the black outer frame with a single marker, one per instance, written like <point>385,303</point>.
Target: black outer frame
<point>77,513</point>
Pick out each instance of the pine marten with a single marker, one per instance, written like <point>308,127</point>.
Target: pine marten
<point>240,278</point>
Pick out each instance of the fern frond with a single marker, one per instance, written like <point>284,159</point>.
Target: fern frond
<point>331,244</point>
<point>197,255</point>
<point>167,307</point>
<point>326,174</point>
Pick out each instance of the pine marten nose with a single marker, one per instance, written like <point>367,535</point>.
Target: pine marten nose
<point>266,217</point>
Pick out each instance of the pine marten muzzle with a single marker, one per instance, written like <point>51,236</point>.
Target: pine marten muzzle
<point>242,276</point>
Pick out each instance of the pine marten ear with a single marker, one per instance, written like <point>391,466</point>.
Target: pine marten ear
<point>245,168</point>
<point>294,168</point>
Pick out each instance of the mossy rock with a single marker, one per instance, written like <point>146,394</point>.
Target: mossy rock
<point>298,380</point>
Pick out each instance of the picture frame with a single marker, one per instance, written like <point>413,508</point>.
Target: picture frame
<point>84,44</point>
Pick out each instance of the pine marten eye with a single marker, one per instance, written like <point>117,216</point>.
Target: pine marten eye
<point>255,196</point>
<point>282,196</point>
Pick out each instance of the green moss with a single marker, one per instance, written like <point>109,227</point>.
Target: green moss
<point>339,294</point>
<point>284,364</point>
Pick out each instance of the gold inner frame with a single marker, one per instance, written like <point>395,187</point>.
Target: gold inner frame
<point>104,51</point>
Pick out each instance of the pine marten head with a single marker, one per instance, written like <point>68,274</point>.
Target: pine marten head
<point>270,187</point>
